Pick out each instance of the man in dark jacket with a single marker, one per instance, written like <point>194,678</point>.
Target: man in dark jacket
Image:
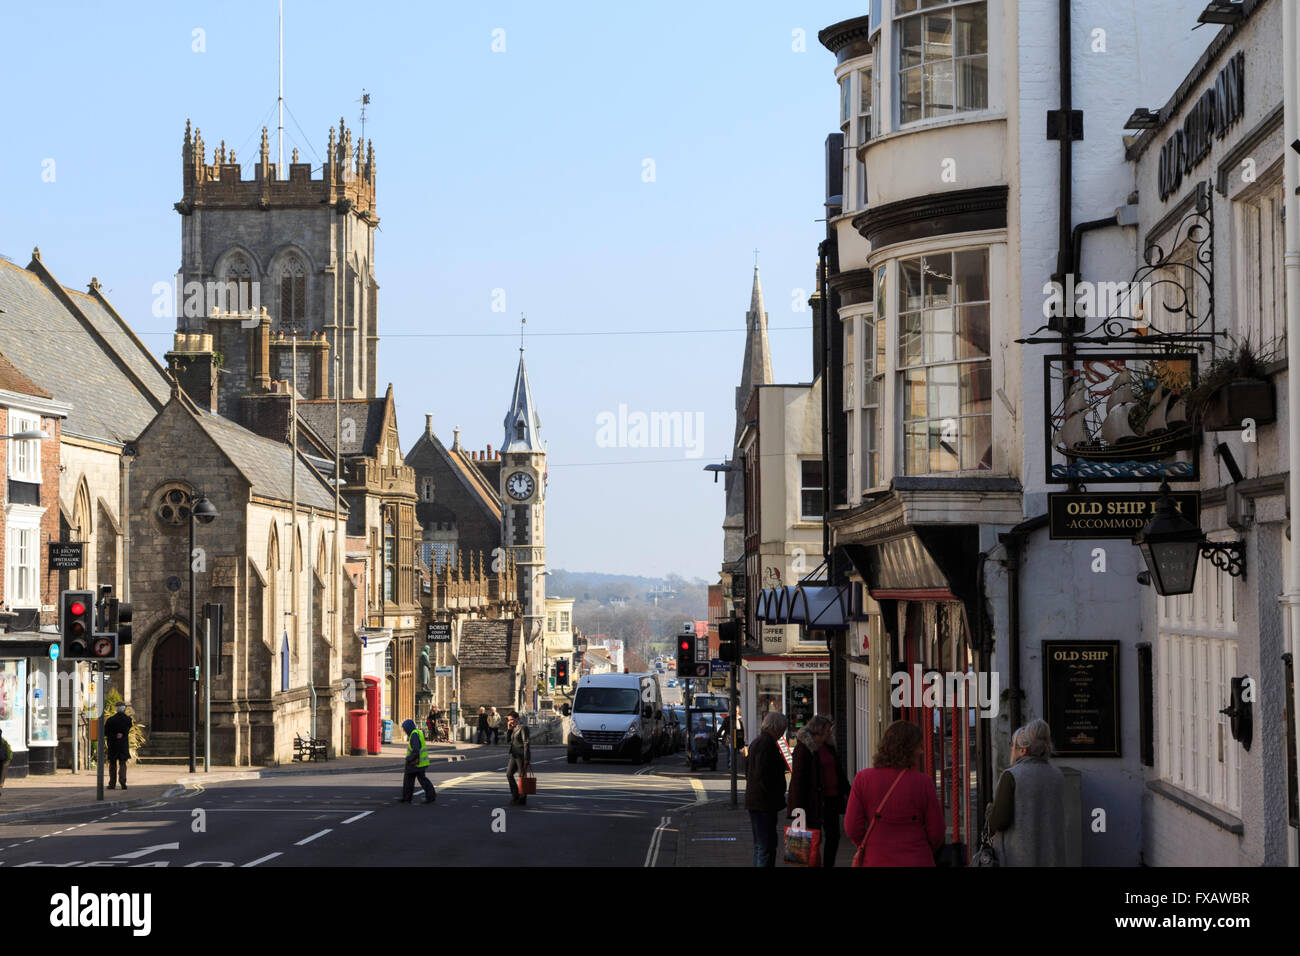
<point>765,786</point>
<point>117,731</point>
<point>521,755</point>
<point>818,784</point>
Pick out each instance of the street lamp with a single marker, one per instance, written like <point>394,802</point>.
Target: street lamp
<point>1172,546</point>
<point>31,434</point>
<point>203,511</point>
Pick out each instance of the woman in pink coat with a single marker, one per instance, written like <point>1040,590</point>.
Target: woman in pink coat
<point>909,826</point>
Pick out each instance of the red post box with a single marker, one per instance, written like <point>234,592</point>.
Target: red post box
<point>359,733</point>
<point>375,712</point>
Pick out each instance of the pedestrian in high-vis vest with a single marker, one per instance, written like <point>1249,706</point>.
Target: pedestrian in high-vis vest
<point>417,764</point>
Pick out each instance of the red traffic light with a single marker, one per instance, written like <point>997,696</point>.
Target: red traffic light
<point>77,609</point>
<point>686,645</point>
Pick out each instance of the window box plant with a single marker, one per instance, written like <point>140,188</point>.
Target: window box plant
<point>1234,388</point>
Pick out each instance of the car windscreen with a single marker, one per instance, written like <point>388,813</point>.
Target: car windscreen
<point>606,700</point>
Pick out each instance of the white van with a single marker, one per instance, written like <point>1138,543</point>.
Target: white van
<point>616,715</point>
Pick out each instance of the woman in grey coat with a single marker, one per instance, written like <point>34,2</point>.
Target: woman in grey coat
<point>1027,819</point>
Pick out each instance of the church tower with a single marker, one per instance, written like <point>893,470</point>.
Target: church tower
<point>523,498</point>
<point>302,248</point>
<point>755,370</point>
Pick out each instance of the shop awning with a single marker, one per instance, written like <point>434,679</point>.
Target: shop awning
<point>817,607</point>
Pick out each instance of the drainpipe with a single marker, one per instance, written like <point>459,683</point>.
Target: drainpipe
<point>1014,541</point>
<point>1291,261</point>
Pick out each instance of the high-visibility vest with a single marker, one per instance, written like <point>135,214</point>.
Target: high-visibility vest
<point>421,751</point>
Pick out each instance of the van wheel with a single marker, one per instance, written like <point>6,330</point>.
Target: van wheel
<point>572,756</point>
<point>586,759</point>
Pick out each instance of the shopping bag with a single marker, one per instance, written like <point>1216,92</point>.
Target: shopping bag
<point>527,784</point>
<point>803,847</point>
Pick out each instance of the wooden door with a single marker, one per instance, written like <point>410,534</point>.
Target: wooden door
<point>171,705</point>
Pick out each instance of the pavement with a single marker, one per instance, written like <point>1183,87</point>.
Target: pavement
<point>67,792</point>
<point>716,834</point>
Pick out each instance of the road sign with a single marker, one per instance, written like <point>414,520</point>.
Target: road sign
<point>54,652</point>
<point>441,671</point>
<point>110,666</point>
<point>719,666</point>
<point>439,632</point>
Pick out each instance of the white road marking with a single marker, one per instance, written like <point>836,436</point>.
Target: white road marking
<point>701,795</point>
<point>307,840</point>
<point>135,855</point>
<point>656,840</point>
<point>263,859</point>
<point>363,813</point>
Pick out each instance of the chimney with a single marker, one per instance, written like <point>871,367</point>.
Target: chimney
<point>428,424</point>
<point>193,365</point>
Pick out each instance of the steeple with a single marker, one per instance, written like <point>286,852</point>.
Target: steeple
<point>522,423</point>
<point>757,366</point>
<point>756,370</point>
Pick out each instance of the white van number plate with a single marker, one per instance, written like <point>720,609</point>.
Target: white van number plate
<point>602,746</point>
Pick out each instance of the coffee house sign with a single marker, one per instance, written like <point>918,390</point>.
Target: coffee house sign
<point>1218,108</point>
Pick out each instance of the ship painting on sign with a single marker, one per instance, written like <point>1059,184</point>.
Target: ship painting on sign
<point>1117,420</point>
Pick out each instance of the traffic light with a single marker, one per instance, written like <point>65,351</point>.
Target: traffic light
<point>562,671</point>
<point>729,641</point>
<point>117,620</point>
<point>77,624</point>
<point>686,655</point>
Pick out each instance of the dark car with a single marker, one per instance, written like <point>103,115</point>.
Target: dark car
<point>675,727</point>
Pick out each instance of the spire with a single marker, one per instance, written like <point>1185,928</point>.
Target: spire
<point>522,423</point>
<point>757,366</point>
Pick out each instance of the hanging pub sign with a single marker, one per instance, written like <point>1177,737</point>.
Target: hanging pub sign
<point>1219,108</point>
<point>66,555</point>
<point>1119,417</point>
<point>1111,514</point>
<point>1081,697</point>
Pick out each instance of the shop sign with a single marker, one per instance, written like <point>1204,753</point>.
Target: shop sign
<point>773,636</point>
<point>438,632</point>
<point>66,556</point>
<point>1219,107</point>
<point>1111,514</point>
<point>1081,697</point>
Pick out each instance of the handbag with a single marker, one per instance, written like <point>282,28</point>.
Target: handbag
<point>860,857</point>
<point>985,855</point>
<point>527,783</point>
<point>803,847</point>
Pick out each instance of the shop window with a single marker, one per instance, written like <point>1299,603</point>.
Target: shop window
<point>801,699</point>
<point>769,695</point>
<point>944,363</point>
<point>942,52</point>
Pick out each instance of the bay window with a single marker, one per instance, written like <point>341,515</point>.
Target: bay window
<point>944,363</point>
<point>942,52</point>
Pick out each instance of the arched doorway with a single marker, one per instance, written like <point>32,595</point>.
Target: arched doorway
<point>170,684</point>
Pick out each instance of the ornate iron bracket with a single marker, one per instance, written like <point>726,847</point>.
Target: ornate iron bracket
<point>1166,274</point>
<point>1227,556</point>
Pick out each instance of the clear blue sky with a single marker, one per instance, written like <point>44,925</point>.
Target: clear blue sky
<point>520,170</point>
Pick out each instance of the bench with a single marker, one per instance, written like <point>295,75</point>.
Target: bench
<point>310,748</point>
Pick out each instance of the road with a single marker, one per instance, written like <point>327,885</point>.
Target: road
<point>604,814</point>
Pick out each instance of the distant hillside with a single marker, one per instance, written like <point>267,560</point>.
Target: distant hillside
<point>646,613</point>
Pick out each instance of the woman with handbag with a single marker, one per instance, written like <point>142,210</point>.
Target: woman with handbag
<point>893,815</point>
<point>1027,818</point>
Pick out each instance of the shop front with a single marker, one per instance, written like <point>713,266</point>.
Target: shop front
<point>797,685</point>
<point>29,703</point>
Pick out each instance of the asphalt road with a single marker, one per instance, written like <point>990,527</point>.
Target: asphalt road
<point>592,814</point>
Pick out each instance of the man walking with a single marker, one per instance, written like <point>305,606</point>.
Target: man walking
<point>417,765</point>
<point>494,725</point>
<point>521,755</point>
<point>482,726</point>
<point>117,731</point>
<point>765,786</point>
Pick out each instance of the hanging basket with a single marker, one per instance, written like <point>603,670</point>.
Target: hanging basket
<point>1238,400</point>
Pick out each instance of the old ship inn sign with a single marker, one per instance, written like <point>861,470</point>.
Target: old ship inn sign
<point>1075,516</point>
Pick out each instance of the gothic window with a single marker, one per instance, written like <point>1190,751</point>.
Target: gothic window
<point>426,489</point>
<point>171,507</point>
<point>293,294</point>
<point>236,288</point>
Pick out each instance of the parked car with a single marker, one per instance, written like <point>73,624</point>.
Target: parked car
<point>672,683</point>
<point>616,715</point>
<point>675,728</point>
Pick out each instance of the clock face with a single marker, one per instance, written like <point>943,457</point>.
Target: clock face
<point>520,485</point>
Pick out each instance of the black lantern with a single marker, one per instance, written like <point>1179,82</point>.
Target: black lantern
<point>204,511</point>
<point>1172,547</point>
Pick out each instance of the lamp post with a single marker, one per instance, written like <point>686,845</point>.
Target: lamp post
<point>1172,547</point>
<point>203,511</point>
<point>732,703</point>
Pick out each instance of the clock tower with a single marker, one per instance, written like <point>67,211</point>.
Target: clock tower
<point>523,500</point>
